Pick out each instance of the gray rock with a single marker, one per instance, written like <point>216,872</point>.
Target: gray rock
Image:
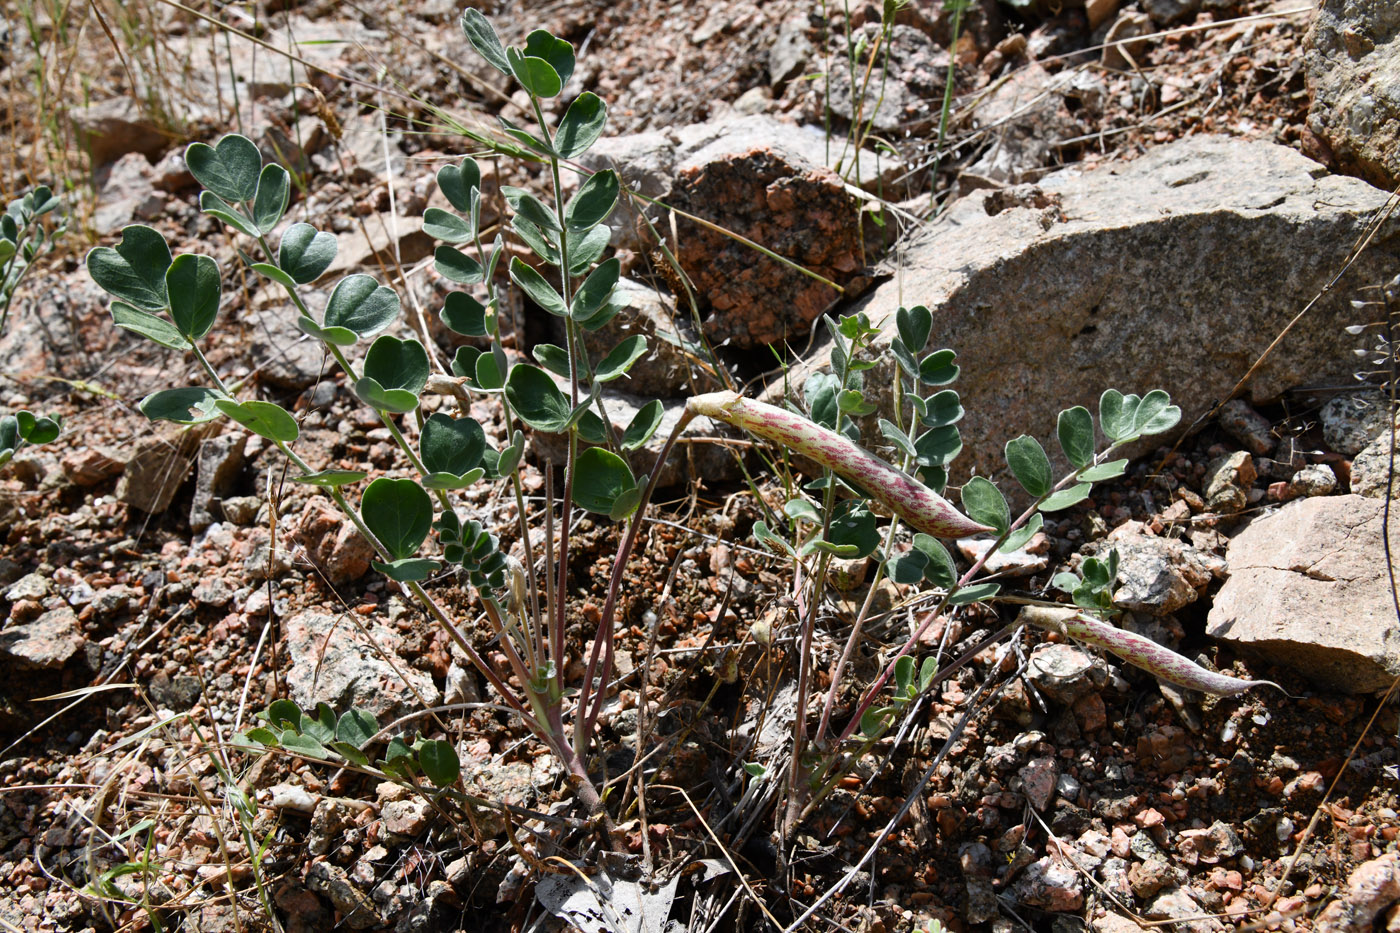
<point>1371,467</point>
<point>1177,904</point>
<point>219,462</point>
<point>126,195</point>
<point>241,510</point>
<point>649,162</point>
<point>1023,118</point>
<point>1215,844</point>
<point>1020,563</point>
<point>902,97</point>
<point>32,586</point>
<point>1238,419</point>
<point>1064,672</point>
<point>176,693</point>
<point>354,905</point>
<point>111,128</point>
<point>1165,272</point>
<point>1050,884</point>
<point>1158,576</point>
<point>332,542</point>
<point>1352,62</point>
<point>790,52</point>
<point>1352,420</point>
<point>283,355</point>
<point>1039,777</point>
<point>153,474</point>
<point>332,661</point>
<point>1171,12</point>
<point>88,466</point>
<point>1315,480</point>
<point>47,643</point>
<point>1120,52</point>
<point>1228,480</point>
<point>1372,889</point>
<point>213,591</point>
<point>329,821</point>
<point>1308,590</point>
<point>406,817</point>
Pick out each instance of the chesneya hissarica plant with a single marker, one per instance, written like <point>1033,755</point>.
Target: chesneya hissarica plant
<point>31,226</point>
<point>925,437</point>
<point>174,301</point>
<point>24,427</point>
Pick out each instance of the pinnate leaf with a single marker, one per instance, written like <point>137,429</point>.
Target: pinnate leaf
<point>536,287</point>
<point>536,399</point>
<point>274,191</point>
<point>616,364</point>
<point>914,325</point>
<point>535,75</point>
<point>148,325</point>
<point>643,425</point>
<point>266,419</point>
<point>1066,497</point>
<point>559,53</point>
<point>482,36</point>
<point>593,202</point>
<point>984,503</point>
<point>456,182</point>
<point>192,405</point>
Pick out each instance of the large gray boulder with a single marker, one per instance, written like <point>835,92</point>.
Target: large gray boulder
<point>1353,72</point>
<point>1174,271</point>
<point>1308,589</point>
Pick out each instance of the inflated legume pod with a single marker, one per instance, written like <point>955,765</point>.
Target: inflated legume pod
<point>919,506</point>
<point>1138,651</point>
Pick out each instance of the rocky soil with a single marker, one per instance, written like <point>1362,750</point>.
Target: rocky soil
<point>1132,195</point>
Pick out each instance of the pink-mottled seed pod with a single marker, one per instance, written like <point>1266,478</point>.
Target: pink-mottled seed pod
<point>1138,651</point>
<point>919,506</point>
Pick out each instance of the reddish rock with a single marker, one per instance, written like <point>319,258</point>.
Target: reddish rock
<point>88,466</point>
<point>1038,781</point>
<point>47,643</point>
<point>406,817</point>
<point>799,210</point>
<point>332,542</point>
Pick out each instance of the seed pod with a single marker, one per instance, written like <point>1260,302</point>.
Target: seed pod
<point>1138,651</point>
<point>908,498</point>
